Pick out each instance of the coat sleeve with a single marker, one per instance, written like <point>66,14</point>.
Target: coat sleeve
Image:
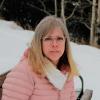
<point>18,85</point>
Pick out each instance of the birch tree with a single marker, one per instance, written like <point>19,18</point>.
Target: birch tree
<point>63,11</point>
<point>55,7</point>
<point>93,20</point>
<point>98,13</point>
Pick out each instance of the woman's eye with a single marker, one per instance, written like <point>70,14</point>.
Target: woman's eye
<point>46,39</point>
<point>52,38</point>
<point>60,38</point>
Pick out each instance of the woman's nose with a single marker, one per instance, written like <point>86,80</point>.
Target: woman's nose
<point>54,42</point>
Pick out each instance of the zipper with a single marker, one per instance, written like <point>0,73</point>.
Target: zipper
<point>59,96</point>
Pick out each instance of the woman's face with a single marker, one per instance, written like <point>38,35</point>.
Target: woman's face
<point>53,45</point>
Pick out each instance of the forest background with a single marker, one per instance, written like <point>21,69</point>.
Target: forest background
<point>82,17</point>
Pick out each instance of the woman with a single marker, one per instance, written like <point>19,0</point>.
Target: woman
<point>46,70</point>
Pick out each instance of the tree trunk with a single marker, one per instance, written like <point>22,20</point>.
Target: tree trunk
<point>55,7</point>
<point>98,13</point>
<point>93,20</point>
<point>62,11</point>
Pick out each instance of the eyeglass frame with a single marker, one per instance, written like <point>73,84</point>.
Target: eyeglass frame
<point>50,39</point>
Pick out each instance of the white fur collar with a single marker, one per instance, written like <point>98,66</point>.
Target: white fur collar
<point>55,77</point>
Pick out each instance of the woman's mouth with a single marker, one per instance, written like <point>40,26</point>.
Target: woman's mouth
<point>54,51</point>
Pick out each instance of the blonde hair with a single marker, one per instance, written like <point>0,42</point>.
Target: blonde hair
<point>36,57</point>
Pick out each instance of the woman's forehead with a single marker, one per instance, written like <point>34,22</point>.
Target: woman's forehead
<point>55,31</point>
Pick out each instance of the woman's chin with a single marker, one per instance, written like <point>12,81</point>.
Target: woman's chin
<point>54,61</point>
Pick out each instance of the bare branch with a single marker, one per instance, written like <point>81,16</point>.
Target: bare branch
<point>42,4</point>
<point>1,4</point>
<point>71,13</point>
<point>43,10</point>
<point>86,25</point>
<point>89,1</point>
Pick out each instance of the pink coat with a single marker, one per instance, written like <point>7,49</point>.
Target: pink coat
<point>23,84</point>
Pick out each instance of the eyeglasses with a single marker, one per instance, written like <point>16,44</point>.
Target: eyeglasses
<point>50,39</point>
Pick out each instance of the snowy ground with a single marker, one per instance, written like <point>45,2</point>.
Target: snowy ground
<point>14,40</point>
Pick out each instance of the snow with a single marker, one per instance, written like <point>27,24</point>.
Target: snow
<point>14,40</point>
<point>88,61</point>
